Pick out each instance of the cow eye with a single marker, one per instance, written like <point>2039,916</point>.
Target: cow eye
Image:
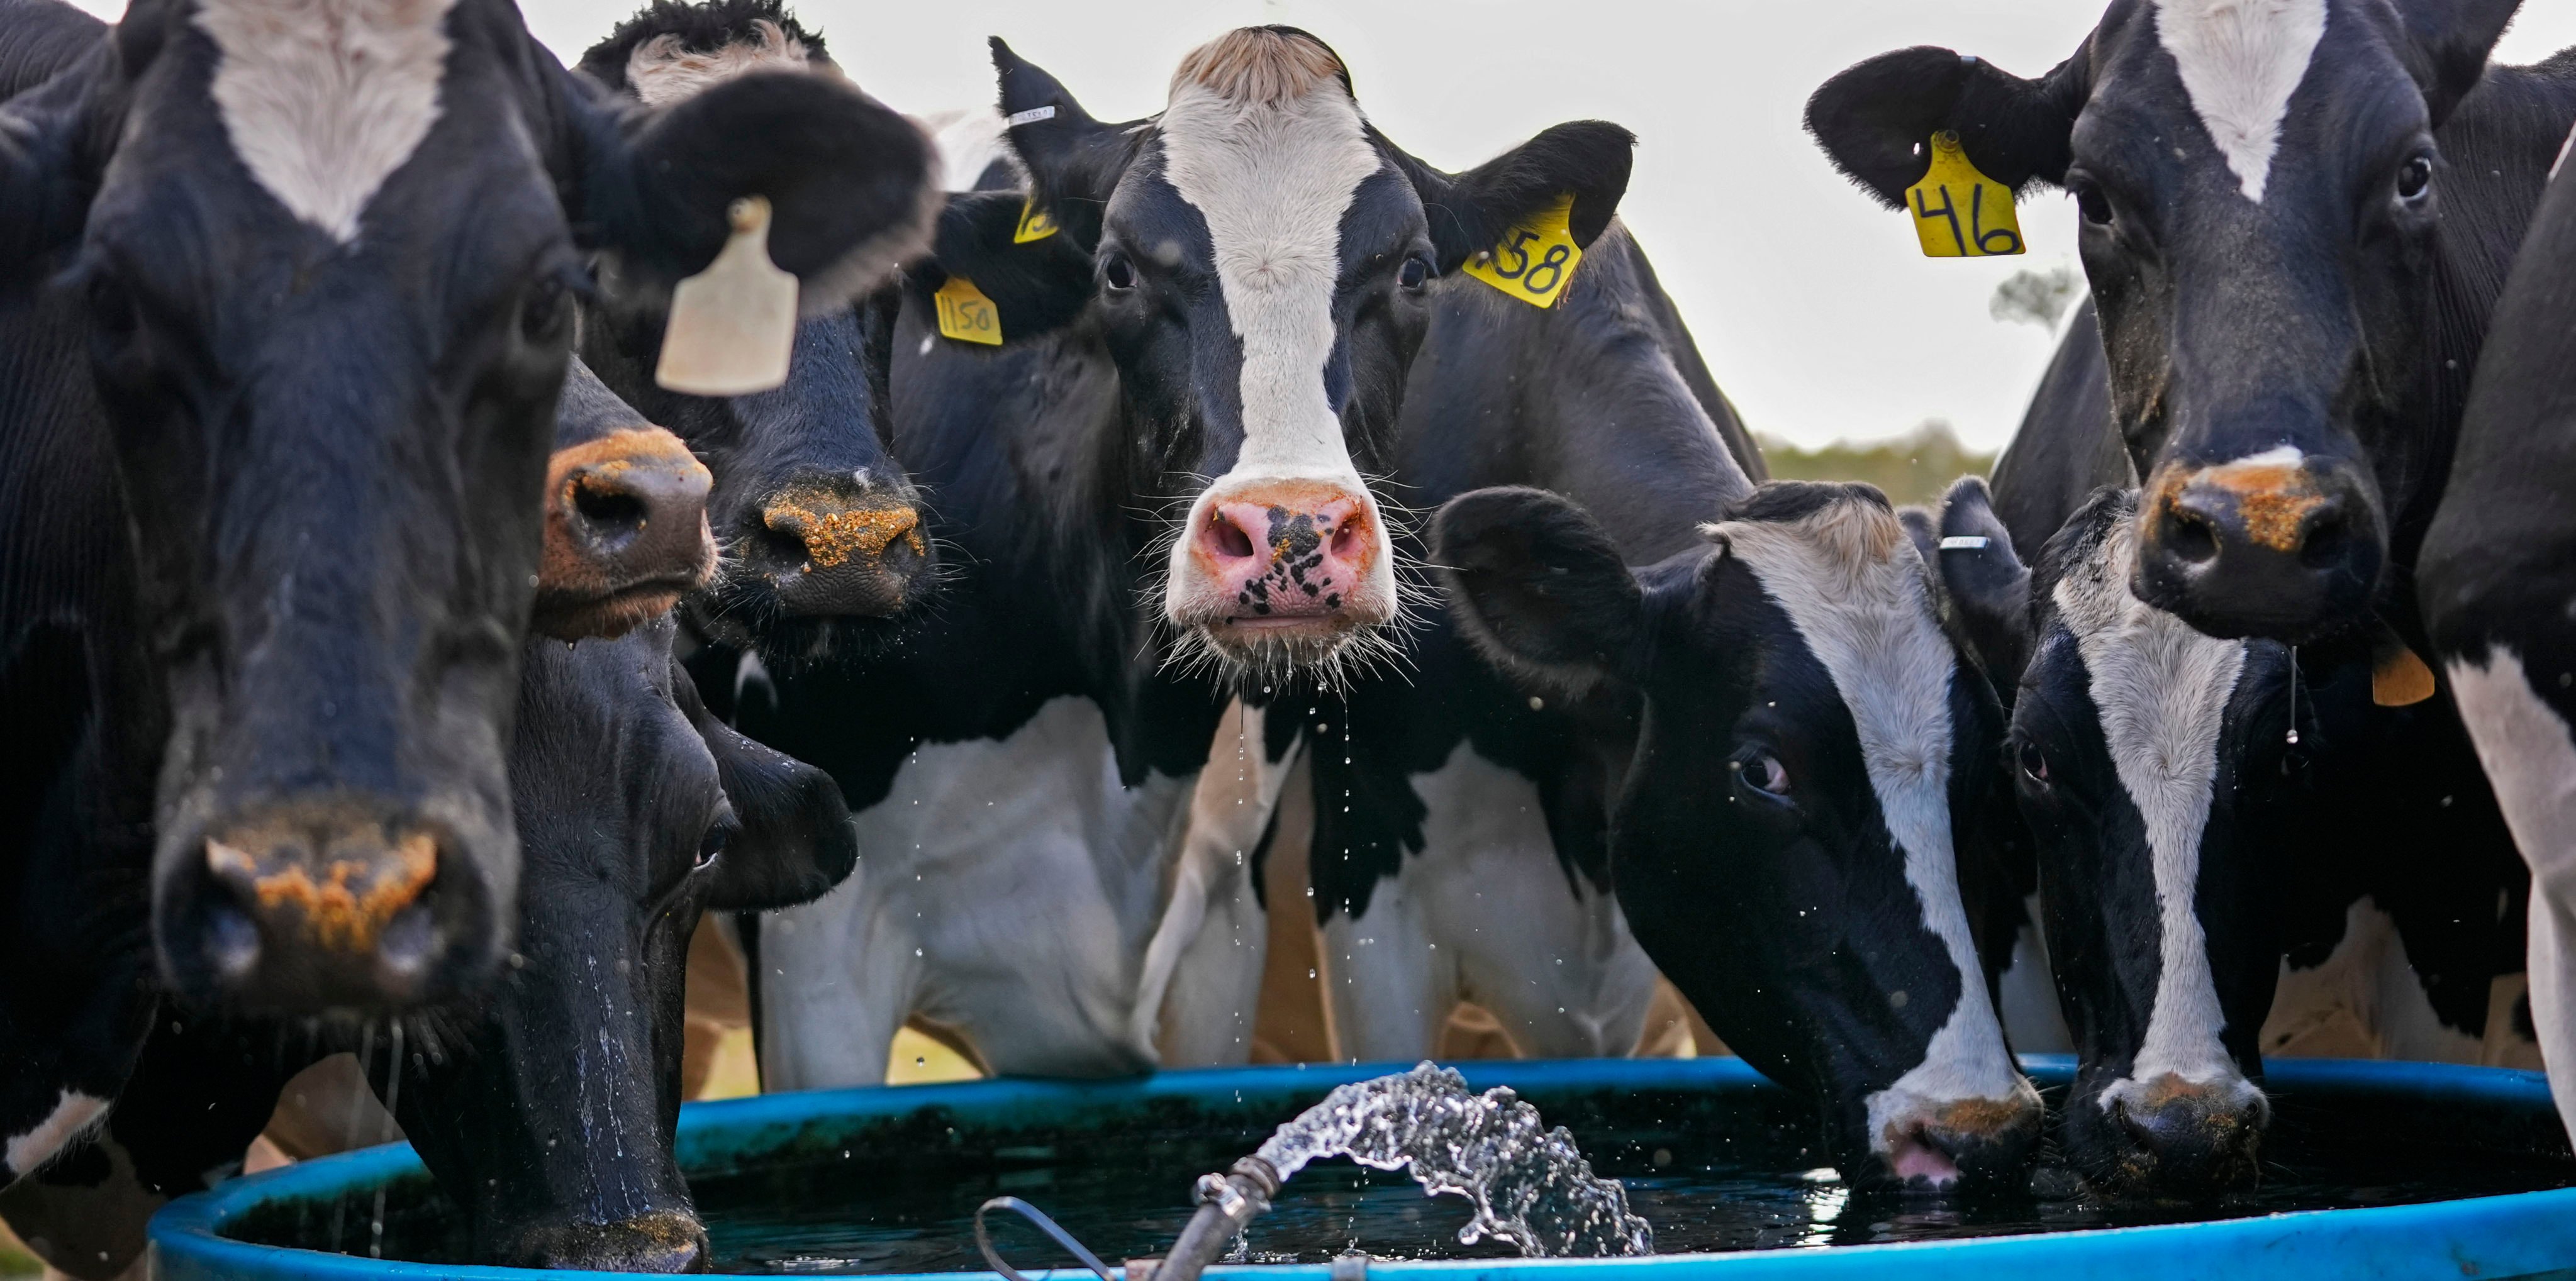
<point>2090,202</point>
<point>1118,273</point>
<point>1762,772</point>
<point>712,845</point>
<point>2415,178</point>
<point>542,311</point>
<point>2034,764</point>
<point>1413,274</point>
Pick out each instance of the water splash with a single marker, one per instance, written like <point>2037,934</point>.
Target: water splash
<point>1530,1184</point>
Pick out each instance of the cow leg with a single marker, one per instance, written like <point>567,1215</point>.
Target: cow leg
<point>2530,757</point>
<point>1554,963</point>
<point>839,978</point>
<point>1202,984</point>
<point>1391,990</point>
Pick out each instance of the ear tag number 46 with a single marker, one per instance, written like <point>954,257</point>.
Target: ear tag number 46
<point>1535,258</point>
<point>1959,212</point>
<point>966,315</point>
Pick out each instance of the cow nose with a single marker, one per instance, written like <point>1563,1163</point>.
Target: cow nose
<point>834,551</point>
<point>656,1241</point>
<point>1286,557</point>
<point>2190,1140</point>
<point>313,906</point>
<point>1970,1143</point>
<point>2268,546</point>
<point>626,533</point>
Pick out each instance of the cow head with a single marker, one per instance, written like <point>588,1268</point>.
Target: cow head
<point>327,253</point>
<point>1255,260</point>
<point>2263,205</point>
<point>1785,846</point>
<point>626,517</point>
<point>2149,760</point>
<point>584,1028</point>
<point>825,550</point>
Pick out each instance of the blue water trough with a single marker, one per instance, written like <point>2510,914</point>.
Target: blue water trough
<point>2443,1117</point>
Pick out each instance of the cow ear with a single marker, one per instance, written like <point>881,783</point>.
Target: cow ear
<point>852,187</point>
<point>1538,587</point>
<point>2450,41</point>
<point>1923,529</point>
<point>1986,582</point>
<point>1470,212</point>
<point>1072,160</point>
<point>794,842</point>
<point>1035,287</point>
<point>54,140</point>
<point>1876,119</point>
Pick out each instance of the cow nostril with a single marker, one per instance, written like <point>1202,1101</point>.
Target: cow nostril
<point>1349,541</point>
<point>232,941</point>
<point>608,508</point>
<point>1227,540</point>
<point>2190,536</point>
<point>2326,541</point>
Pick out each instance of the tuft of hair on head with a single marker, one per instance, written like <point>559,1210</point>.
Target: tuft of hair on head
<point>1263,66</point>
<point>670,50</point>
<point>1851,519</point>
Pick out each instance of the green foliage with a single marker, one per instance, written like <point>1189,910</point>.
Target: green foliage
<point>1913,468</point>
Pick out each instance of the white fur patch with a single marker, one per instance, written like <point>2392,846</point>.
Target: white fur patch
<point>324,99</point>
<point>2240,61</point>
<point>74,1113</point>
<point>1860,602</point>
<point>661,72</point>
<point>2161,691</point>
<point>969,140</point>
<point>2530,758</point>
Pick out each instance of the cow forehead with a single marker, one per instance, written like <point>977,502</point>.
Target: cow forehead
<point>2240,61</point>
<point>323,100</point>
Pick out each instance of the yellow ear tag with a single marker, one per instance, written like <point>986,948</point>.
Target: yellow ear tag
<point>1034,224</point>
<point>733,325</point>
<point>1959,212</point>
<point>1535,259</point>
<point>2397,677</point>
<point>966,315</point>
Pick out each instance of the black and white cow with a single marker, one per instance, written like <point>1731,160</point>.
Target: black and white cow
<point>825,552</point>
<point>1790,838</point>
<point>267,519</point>
<point>2495,580</point>
<point>1459,842</point>
<point>317,446</point>
<point>626,517</point>
<point>2215,888</point>
<point>2295,217</point>
<point>547,1109</point>
<point>1199,368</point>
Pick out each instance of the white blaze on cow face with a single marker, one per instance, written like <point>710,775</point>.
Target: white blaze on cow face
<point>324,99</point>
<point>2240,61</point>
<point>73,1115</point>
<point>1271,150</point>
<point>1854,587</point>
<point>2161,691</point>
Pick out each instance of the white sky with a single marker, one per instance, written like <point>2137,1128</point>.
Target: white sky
<point>1818,314</point>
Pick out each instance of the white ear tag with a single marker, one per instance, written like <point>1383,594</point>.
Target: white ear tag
<point>733,325</point>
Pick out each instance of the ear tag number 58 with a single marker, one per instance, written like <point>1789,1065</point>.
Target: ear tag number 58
<point>1535,259</point>
<point>1959,212</point>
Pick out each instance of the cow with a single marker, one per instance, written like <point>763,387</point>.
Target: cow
<point>826,556</point>
<point>1791,837</point>
<point>2232,841</point>
<point>625,517</point>
<point>282,535</point>
<point>2295,218</point>
<point>2494,583</point>
<point>1156,477</point>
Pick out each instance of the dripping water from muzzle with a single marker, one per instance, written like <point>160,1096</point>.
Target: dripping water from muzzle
<point>1530,1184</point>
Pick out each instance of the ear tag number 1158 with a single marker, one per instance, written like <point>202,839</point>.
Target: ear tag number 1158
<point>1535,259</point>
<point>1959,212</point>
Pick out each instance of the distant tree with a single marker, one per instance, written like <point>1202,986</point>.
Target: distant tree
<point>1913,468</point>
<point>2034,297</point>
